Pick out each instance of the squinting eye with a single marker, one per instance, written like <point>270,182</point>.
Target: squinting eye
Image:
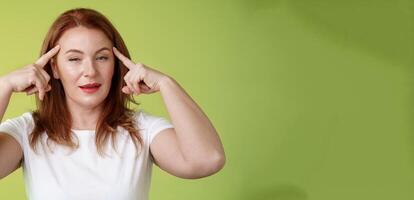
<point>103,58</point>
<point>73,59</point>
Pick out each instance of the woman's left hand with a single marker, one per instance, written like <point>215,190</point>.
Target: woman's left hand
<point>140,78</point>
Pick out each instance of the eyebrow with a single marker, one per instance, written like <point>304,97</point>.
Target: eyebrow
<point>79,51</point>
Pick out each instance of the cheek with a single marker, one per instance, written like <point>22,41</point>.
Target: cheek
<point>108,70</point>
<point>68,74</point>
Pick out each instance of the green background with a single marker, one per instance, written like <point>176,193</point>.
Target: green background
<point>312,99</point>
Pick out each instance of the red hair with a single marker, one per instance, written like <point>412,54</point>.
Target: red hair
<point>52,116</point>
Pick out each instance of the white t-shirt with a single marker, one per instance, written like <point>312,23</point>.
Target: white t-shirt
<point>83,174</point>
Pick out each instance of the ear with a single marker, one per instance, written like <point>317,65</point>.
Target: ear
<point>54,68</point>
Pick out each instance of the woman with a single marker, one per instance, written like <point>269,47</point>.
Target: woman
<point>83,142</point>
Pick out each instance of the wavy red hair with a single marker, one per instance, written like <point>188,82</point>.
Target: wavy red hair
<point>52,116</point>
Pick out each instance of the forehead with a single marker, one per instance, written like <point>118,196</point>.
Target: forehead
<point>84,39</point>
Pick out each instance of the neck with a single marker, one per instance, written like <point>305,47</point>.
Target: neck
<point>84,118</point>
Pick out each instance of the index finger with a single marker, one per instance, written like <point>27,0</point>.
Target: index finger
<point>127,62</point>
<point>42,61</point>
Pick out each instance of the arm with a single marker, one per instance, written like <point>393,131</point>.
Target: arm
<point>5,94</point>
<point>30,79</point>
<point>193,148</point>
<point>10,151</point>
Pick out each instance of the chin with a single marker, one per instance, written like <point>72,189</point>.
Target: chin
<point>88,101</point>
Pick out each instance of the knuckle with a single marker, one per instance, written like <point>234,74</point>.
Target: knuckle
<point>33,69</point>
<point>35,65</point>
<point>32,74</point>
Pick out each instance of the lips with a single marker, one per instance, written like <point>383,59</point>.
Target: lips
<point>90,85</point>
<point>90,88</point>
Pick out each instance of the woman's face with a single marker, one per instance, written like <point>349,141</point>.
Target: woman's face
<point>85,65</point>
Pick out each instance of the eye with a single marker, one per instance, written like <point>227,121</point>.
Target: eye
<point>73,59</point>
<point>102,58</point>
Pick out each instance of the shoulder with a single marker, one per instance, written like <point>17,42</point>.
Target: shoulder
<point>19,127</point>
<point>144,118</point>
<point>25,121</point>
<point>150,122</point>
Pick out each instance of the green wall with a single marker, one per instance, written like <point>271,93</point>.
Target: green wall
<point>312,99</point>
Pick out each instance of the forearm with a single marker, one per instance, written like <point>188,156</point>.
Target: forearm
<point>197,137</point>
<point>5,94</point>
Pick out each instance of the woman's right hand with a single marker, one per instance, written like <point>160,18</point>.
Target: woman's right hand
<point>31,78</point>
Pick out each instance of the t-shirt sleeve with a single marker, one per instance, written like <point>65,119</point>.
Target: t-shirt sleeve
<point>155,124</point>
<point>16,127</point>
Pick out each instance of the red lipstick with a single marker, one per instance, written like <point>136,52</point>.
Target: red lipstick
<point>90,88</point>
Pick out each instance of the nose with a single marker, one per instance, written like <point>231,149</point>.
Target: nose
<point>89,68</point>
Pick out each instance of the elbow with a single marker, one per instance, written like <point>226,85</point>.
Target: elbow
<point>218,163</point>
<point>208,167</point>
